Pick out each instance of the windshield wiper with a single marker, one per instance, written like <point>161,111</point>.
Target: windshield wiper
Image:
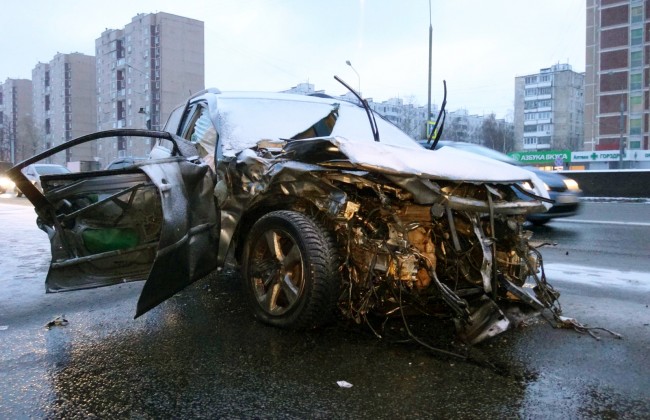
<point>443,114</point>
<point>364,103</point>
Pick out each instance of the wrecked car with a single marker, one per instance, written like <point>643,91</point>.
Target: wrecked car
<point>326,208</point>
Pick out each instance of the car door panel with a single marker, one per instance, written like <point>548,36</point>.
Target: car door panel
<point>190,234</point>
<point>155,221</point>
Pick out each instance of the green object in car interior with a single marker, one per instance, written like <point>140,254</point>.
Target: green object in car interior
<point>109,239</point>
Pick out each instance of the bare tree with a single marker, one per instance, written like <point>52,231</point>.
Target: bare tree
<point>29,139</point>
<point>508,137</point>
<point>490,133</point>
<point>497,134</point>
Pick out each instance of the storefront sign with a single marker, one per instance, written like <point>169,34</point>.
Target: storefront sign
<point>609,156</point>
<point>541,157</point>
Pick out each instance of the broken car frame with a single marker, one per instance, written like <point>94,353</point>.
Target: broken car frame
<point>321,212</point>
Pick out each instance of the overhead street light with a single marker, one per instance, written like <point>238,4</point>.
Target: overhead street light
<point>358,77</point>
<point>146,114</point>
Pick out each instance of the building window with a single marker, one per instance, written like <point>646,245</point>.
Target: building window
<point>635,126</point>
<point>636,103</point>
<point>530,104</point>
<point>531,80</point>
<point>47,79</point>
<point>636,36</point>
<point>120,79</point>
<point>121,110</point>
<point>636,14</point>
<point>636,59</point>
<point>48,127</point>
<point>47,102</point>
<point>635,81</point>
<point>545,78</point>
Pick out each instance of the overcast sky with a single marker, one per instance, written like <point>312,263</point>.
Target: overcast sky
<point>479,46</point>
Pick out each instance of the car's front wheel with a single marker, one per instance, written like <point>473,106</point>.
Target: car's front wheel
<point>290,271</point>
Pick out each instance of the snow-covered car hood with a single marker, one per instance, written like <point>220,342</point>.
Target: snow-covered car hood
<point>244,119</point>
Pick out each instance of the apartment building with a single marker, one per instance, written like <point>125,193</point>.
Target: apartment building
<point>63,104</point>
<point>409,117</point>
<point>460,125</point>
<point>549,109</point>
<point>617,101</point>
<point>16,122</point>
<point>143,72</point>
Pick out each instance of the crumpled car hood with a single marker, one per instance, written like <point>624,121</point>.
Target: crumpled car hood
<point>446,163</point>
<point>399,162</point>
<point>244,119</point>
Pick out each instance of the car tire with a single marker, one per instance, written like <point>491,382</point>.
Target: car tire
<point>290,271</point>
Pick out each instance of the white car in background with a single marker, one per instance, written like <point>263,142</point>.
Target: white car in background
<point>35,171</point>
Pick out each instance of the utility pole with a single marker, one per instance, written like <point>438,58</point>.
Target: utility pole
<point>429,103</point>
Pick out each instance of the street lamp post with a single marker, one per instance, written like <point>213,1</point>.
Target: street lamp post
<point>429,73</point>
<point>146,114</point>
<point>358,77</point>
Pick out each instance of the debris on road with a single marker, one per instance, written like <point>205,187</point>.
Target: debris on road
<point>565,322</point>
<point>59,321</point>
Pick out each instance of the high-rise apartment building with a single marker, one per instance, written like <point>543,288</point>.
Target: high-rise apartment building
<point>16,120</point>
<point>143,71</point>
<point>64,104</point>
<point>617,101</point>
<point>549,109</point>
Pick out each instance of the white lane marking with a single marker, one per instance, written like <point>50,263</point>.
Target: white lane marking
<point>601,277</point>
<point>602,222</point>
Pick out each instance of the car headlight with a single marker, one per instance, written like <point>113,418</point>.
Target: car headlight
<point>571,185</point>
<point>6,183</point>
<point>527,186</point>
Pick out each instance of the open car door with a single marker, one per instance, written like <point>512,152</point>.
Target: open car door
<point>155,220</point>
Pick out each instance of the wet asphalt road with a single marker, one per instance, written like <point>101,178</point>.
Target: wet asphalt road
<point>201,354</point>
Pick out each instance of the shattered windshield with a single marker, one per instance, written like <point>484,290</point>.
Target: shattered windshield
<point>245,119</point>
